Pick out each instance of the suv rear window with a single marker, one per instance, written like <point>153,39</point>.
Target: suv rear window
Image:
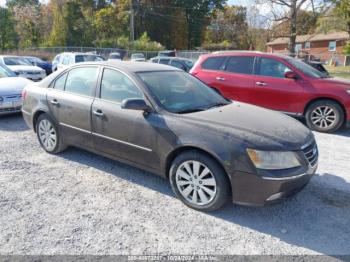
<point>240,64</point>
<point>213,63</point>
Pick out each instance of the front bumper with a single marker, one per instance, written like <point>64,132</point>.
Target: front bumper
<point>10,107</point>
<point>252,190</point>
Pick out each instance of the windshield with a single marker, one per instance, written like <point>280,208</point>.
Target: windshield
<point>5,72</point>
<point>114,56</point>
<point>307,69</point>
<point>88,58</point>
<point>11,61</point>
<point>137,56</point>
<point>179,92</point>
<point>189,63</point>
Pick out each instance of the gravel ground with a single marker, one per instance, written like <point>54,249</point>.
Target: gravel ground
<point>81,203</point>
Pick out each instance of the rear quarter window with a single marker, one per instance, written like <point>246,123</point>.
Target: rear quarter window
<point>213,63</point>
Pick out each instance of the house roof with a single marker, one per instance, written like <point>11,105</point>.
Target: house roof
<point>312,38</point>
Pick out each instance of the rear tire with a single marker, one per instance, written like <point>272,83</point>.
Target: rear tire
<point>48,135</point>
<point>325,116</point>
<point>199,181</point>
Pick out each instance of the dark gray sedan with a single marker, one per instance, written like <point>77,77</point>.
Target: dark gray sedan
<point>166,121</point>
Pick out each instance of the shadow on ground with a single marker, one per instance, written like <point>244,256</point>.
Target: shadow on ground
<point>318,218</point>
<point>13,123</point>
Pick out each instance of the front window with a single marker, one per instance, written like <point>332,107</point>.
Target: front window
<point>179,92</point>
<point>116,87</point>
<point>13,61</point>
<point>272,68</point>
<point>4,72</point>
<point>307,45</point>
<point>306,69</point>
<point>332,46</point>
<point>298,47</point>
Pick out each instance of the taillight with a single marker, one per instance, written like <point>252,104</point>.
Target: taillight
<point>24,94</point>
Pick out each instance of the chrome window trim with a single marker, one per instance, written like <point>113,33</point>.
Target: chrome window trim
<point>75,128</point>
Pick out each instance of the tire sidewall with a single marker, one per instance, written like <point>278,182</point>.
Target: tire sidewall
<point>222,182</point>
<point>337,109</point>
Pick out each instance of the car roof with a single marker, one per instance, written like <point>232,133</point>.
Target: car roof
<point>248,53</point>
<point>132,67</point>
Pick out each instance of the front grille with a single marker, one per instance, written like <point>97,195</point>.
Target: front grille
<point>311,153</point>
<point>11,109</point>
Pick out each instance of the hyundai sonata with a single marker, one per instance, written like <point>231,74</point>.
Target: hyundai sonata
<point>166,121</point>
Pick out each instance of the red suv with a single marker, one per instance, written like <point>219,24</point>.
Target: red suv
<point>280,83</point>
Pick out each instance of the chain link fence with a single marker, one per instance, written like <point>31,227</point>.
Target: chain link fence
<point>50,52</point>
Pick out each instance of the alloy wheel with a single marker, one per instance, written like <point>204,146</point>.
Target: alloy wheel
<point>47,135</point>
<point>196,183</point>
<point>323,117</point>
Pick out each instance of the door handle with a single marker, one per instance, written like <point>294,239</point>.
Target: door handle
<point>54,102</point>
<point>220,78</point>
<point>261,84</point>
<point>98,112</point>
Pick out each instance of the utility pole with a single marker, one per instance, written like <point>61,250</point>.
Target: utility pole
<point>132,24</point>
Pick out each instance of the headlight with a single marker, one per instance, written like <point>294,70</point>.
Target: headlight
<point>348,91</point>
<point>273,159</point>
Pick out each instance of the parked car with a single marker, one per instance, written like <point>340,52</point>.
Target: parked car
<point>67,59</point>
<point>166,121</point>
<point>167,53</point>
<point>47,66</point>
<point>115,56</point>
<point>138,57</point>
<point>57,60</point>
<point>280,83</point>
<point>178,62</point>
<point>23,68</point>
<point>318,65</point>
<point>11,88</point>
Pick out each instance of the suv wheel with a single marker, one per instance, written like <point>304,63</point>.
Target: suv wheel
<point>199,181</point>
<point>48,135</point>
<point>324,116</point>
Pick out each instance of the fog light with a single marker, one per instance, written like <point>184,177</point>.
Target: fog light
<point>275,196</point>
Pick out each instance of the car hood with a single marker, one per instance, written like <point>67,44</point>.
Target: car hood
<point>255,126</point>
<point>337,81</point>
<point>13,85</point>
<point>24,68</point>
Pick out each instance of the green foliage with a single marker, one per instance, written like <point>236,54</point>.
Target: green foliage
<point>144,43</point>
<point>8,36</point>
<point>343,10</point>
<point>346,50</point>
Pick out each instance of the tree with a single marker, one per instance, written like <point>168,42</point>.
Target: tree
<point>287,11</point>
<point>28,21</point>
<point>197,15</point>
<point>8,35</point>
<point>342,8</point>
<point>229,24</point>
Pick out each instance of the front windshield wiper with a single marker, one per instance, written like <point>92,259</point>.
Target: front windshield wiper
<point>191,110</point>
<point>216,105</point>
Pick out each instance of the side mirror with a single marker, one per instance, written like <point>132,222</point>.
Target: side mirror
<point>135,104</point>
<point>291,75</point>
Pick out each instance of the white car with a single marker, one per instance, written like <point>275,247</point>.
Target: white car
<point>11,88</point>
<point>23,67</point>
<point>114,57</point>
<point>70,58</point>
<point>138,57</point>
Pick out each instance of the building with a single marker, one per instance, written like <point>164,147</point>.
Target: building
<point>326,47</point>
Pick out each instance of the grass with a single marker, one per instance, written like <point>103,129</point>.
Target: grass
<point>339,71</point>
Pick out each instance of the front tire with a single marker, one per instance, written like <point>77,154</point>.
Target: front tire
<point>325,116</point>
<point>199,181</point>
<point>48,135</point>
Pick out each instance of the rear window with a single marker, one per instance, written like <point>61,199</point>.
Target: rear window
<point>213,63</point>
<point>240,64</point>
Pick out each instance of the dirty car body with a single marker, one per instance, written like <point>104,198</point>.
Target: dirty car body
<point>154,136</point>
